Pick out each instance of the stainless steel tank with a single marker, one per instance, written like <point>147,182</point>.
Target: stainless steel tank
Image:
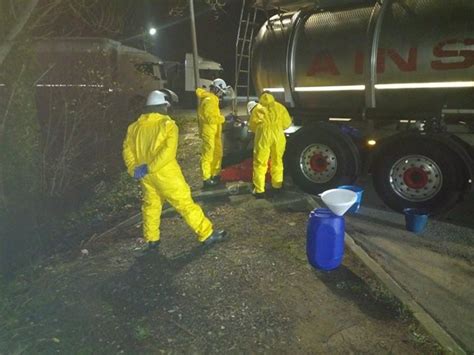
<point>410,54</point>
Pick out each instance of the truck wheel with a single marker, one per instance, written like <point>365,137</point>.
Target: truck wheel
<point>322,158</point>
<point>418,173</point>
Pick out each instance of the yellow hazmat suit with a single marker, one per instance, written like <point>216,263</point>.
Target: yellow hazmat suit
<point>210,122</point>
<point>268,120</point>
<point>153,140</point>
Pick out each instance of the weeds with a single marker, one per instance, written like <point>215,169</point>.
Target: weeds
<point>142,332</point>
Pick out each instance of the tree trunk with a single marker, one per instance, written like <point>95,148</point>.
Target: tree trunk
<point>7,45</point>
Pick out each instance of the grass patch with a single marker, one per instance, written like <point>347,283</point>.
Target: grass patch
<point>142,332</point>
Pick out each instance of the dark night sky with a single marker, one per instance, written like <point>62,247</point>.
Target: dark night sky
<point>216,36</point>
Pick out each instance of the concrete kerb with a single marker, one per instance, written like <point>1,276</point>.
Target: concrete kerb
<point>423,317</point>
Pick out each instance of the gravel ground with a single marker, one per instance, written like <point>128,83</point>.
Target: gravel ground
<point>254,292</point>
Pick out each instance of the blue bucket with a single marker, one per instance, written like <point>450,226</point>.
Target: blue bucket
<point>359,191</point>
<point>415,219</point>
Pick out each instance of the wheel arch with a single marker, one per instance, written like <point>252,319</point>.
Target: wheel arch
<point>330,130</point>
<point>336,142</point>
<point>449,141</point>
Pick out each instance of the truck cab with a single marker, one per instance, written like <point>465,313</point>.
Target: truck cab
<point>208,71</point>
<point>101,65</point>
<point>180,77</point>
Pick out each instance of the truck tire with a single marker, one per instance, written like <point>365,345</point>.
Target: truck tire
<point>321,157</point>
<point>419,173</point>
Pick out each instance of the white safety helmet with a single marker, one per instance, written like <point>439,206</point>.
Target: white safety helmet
<point>219,84</point>
<point>157,98</point>
<point>251,105</point>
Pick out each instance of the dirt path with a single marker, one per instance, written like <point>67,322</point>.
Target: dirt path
<point>254,292</point>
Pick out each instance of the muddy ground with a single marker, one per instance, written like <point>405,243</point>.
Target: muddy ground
<point>254,292</point>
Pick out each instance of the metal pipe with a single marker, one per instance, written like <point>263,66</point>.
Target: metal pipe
<point>371,78</point>
<point>195,47</point>
<point>298,20</point>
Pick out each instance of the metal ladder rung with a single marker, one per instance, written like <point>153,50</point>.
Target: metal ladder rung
<point>245,36</point>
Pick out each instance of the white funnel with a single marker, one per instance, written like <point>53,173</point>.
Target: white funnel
<point>339,200</point>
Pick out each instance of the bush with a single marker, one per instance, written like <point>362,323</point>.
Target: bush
<point>19,155</point>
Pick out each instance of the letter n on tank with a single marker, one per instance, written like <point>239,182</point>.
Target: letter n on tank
<point>404,65</point>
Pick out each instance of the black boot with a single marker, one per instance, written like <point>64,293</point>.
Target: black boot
<point>209,184</point>
<point>276,191</point>
<point>153,246</point>
<point>216,179</point>
<point>216,236</point>
<point>259,195</point>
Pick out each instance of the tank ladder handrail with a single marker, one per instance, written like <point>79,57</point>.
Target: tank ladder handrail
<point>243,50</point>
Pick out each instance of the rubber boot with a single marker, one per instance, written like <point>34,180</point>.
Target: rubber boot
<point>258,195</point>
<point>209,184</point>
<point>151,247</point>
<point>216,236</point>
<point>275,192</point>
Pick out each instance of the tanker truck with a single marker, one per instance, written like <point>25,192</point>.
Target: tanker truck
<point>348,69</point>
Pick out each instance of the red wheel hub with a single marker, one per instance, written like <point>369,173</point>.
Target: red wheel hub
<point>415,178</point>
<point>319,163</point>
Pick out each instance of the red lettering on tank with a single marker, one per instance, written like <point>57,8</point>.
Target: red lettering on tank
<point>323,63</point>
<point>466,54</point>
<point>360,59</point>
<point>401,63</point>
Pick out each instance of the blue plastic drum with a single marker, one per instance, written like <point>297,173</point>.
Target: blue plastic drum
<point>325,239</point>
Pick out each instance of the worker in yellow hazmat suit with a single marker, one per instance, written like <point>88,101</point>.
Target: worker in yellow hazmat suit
<point>268,120</point>
<point>149,152</point>
<point>210,122</point>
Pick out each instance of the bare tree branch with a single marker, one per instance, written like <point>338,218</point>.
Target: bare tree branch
<point>7,45</point>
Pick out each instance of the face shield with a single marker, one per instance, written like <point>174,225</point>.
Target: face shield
<point>229,92</point>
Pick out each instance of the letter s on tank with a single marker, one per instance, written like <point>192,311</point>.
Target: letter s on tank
<point>456,49</point>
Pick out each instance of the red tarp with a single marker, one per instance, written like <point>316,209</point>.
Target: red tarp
<point>241,172</point>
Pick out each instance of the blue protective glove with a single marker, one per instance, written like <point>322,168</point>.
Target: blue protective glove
<point>140,171</point>
<point>230,117</point>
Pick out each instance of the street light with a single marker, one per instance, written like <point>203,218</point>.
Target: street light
<point>152,31</point>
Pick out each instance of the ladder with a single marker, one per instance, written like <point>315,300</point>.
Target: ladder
<point>243,50</point>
